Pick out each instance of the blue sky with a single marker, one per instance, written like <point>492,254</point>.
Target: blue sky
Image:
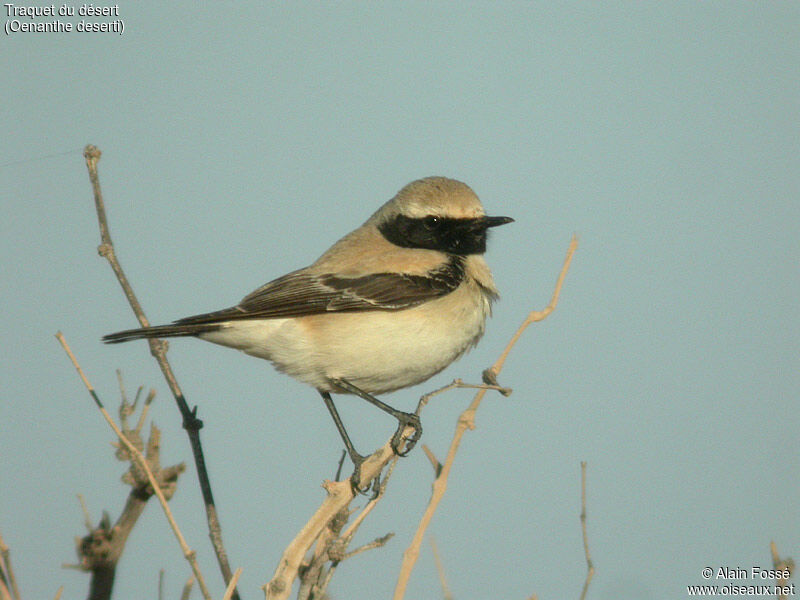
<point>240,140</point>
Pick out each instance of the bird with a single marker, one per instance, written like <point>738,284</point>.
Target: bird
<point>386,307</point>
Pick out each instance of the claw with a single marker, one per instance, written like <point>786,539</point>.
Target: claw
<point>404,421</point>
<point>355,479</point>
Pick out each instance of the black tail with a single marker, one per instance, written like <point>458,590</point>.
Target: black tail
<point>159,331</point>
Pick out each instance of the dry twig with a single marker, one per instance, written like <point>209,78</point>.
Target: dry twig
<point>589,565</point>
<point>187,588</point>
<point>437,466</point>
<point>142,463</point>
<point>458,384</point>
<point>158,349</point>
<point>232,585</point>
<point>8,581</point>
<point>339,496</point>
<point>87,519</point>
<point>467,421</point>
<point>101,549</point>
<point>335,549</point>
<point>446,593</point>
<point>781,564</point>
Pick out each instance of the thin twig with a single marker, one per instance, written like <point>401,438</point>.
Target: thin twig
<point>467,421</point>
<point>446,593</point>
<point>158,349</point>
<point>145,409</point>
<point>539,315</point>
<point>343,541</point>
<point>141,462</point>
<point>437,466</point>
<point>350,532</point>
<point>785,567</point>
<point>187,588</point>
<point>87,518</point>
<point>589,565</point>
<point>457,383</point>
<point>122,391</point>
<point>232,585</point>
<point>101,549</point>
<point>5,558</point>
<point>376,543</point>
<point>106,248</point>
<point>339,496</point>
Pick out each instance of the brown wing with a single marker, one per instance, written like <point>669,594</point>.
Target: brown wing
<point>300,294</point>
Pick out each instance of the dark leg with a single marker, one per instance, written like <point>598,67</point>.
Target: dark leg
<point>357,459</point>
<point>403,419</point>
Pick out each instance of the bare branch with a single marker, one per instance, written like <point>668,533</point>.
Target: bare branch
<point>101,550</point>
<point>142,463</point>
<point>589,565</point>
<point>232,585</point>
<point>783,565</point>
<point>446,593</point>
<point>437,466</point>
<point>457,383</point>
<point>187,588</point>
<point>145,409</point>
<point>106,248</point>
<point>467,421</point>
<point>376,543</point>
<point>7,572</point>
<point>158,349</point>
<point>335,548</point>
<point>538,315</point>
<point>339,496</point>
<point>350,532</point>
<point>87,519</point>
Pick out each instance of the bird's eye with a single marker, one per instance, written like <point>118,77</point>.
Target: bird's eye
<point>432,223</point>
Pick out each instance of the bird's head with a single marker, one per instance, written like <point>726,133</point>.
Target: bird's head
<point>437,213</point>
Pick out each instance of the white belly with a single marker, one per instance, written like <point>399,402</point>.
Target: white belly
<point>377,351</point>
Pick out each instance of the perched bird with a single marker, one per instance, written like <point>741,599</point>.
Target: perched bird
<point>386,307</point>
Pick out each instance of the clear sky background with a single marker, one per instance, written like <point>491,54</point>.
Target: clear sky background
<point>240,140</point>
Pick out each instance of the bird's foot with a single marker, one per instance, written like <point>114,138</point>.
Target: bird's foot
<point>406,420</point>
<point>355,479</point>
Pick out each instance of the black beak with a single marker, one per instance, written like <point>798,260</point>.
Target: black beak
<point>495,221</point>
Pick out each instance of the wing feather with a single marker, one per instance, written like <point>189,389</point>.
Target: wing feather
<point>302,293</point>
